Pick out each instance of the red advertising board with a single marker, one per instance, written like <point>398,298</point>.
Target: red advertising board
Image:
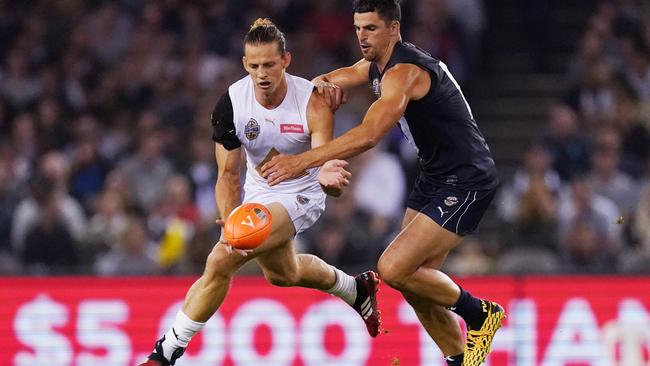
<point>552,321</point>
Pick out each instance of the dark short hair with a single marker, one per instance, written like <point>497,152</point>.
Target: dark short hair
<point>388,10</point>
<point>264,31</point>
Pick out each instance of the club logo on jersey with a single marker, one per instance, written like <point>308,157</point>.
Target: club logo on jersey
<point>451,201</point>
<point>291,128</point>
<point>376,88</point>
<point>302,199</point>
<point>252,129</point>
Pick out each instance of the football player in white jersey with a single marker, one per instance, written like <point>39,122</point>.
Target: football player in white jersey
<point>269,112</point>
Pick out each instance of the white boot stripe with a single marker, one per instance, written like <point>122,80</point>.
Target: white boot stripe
<point>364,308</point>
<point>368,312</point>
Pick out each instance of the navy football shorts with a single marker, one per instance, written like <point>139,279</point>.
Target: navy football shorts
<point>456,210</point>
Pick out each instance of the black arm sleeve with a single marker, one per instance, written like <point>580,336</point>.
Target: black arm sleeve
<point>223,126</point>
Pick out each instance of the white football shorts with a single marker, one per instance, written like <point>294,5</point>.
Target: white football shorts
<point>303,208</point>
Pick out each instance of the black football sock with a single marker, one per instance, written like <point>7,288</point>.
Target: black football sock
<point>470,309</point>
<point>454,360</point>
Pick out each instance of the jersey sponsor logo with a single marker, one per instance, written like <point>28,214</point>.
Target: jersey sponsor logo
<point>451,201</point>
<point>376,87</point>
<point>291,128</point>
<point>252,129</point>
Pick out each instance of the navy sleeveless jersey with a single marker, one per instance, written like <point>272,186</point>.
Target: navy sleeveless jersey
<point>451,148</point>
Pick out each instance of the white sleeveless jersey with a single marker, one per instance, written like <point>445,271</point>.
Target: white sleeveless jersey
<point>266,132</point>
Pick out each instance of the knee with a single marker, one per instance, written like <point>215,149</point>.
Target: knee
<point>282,279</point>
<point>391,273</point>
<point>219,265</point>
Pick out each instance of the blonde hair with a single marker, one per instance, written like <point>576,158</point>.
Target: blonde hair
<point>264,31</point>
<point>262,22</point>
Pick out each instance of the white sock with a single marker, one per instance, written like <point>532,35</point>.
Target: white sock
<point>345,286</point>
<point>180,334</point>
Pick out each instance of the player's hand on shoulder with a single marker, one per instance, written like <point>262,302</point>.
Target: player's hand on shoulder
<point>229,248</point>
<point>334,177</point>
<point>333,94</point>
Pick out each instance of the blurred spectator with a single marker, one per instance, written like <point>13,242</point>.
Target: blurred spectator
<point>589,234</point>
<point>330,24</point>
<point>19,87</point>
<point>146,169</point>
<point>107,225</point>
<point>379,184</point>
<point>173,221</point>
<point>88,172</point>
<point>435,31</point>
<point>470,17</point>
<point>116,182</point>
<point>197,250</point>
<point>52,133</point>
<point>636,58</point>
<point>585,250</point>
<point>116,138</point>
<point>109,31</point>
<point>54,168</point>
<point>536,223</point>
<point>635,139</point>
<point>132,256</point>
<point>202,172</point>
<point>569,149</point>
<point>48,245</point>
<point>529,207</point>
<point>593,96</point>
<point>606,179</point>
<point>537,166</point>
<point>590,52</point>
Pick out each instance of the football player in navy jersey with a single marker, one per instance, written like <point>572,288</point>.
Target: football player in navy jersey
<point>456,183</point>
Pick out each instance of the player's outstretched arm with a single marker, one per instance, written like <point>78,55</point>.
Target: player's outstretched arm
<point>332,176</point>
<point>400,85</point>
<point>332,85</point>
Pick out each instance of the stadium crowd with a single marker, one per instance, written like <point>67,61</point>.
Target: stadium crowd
<point>107,163</point>
<point>580,202</point>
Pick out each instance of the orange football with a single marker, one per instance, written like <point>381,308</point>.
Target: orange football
<point>248,226</point>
